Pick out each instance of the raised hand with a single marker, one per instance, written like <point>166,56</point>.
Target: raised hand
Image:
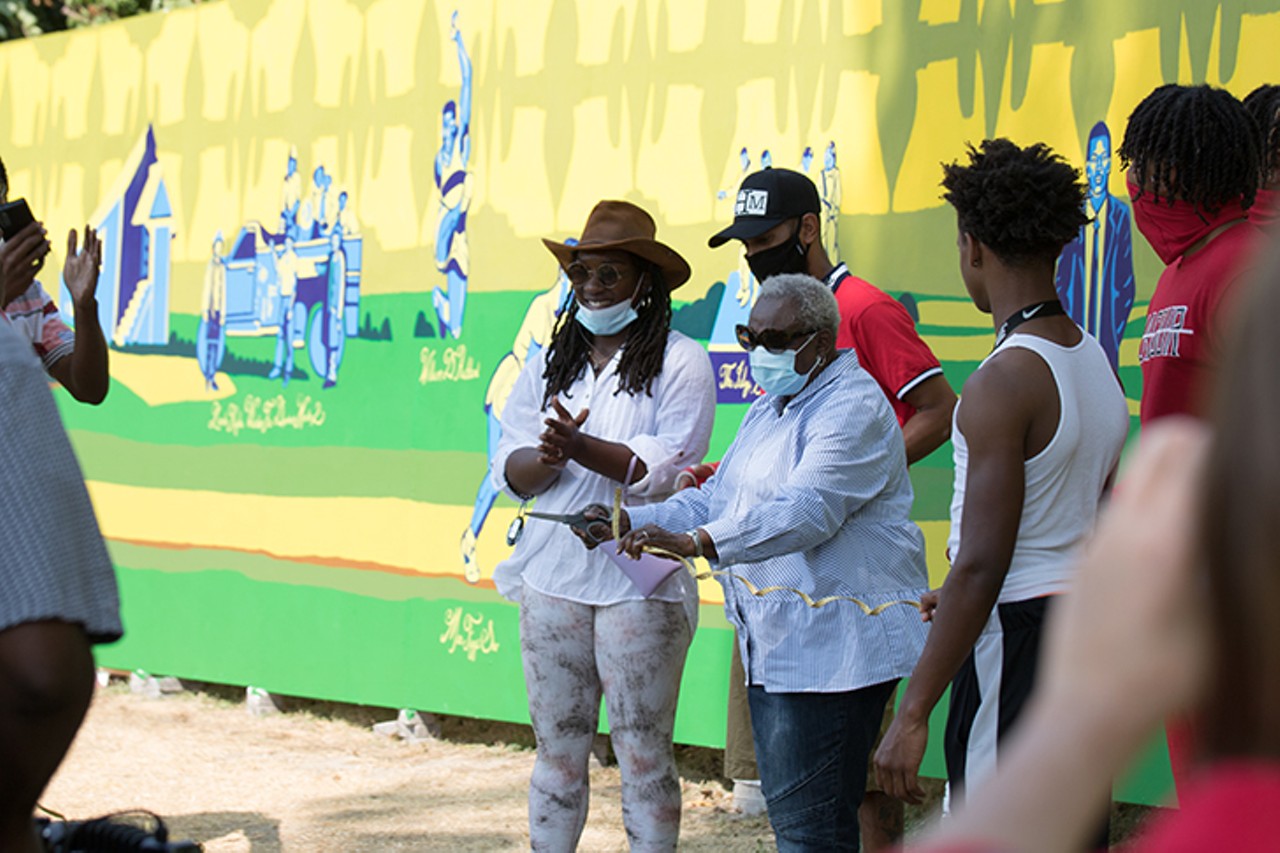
<point>80,271</point>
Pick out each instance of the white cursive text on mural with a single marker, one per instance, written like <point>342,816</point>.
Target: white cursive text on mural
<point>451,365</point>
<point>469,633</point>
<point>258,415</point>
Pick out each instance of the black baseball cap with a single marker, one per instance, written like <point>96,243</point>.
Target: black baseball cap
<point>765,199</point>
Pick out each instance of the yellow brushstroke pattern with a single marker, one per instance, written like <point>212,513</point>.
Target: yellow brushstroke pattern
<point>394,534</point>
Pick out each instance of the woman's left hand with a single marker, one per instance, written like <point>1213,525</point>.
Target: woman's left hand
<point>563,438</point>
<point>653,536</point>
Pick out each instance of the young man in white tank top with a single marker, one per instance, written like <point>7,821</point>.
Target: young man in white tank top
<point>1038,433</point>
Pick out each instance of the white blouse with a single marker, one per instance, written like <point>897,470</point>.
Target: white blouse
<point>668,431</point>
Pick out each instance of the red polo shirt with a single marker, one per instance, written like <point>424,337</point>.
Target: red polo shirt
<point>884,337</point>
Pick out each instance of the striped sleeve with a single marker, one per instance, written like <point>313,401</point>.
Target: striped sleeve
<point>57,340</point>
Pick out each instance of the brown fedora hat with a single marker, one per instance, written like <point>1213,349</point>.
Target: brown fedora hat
<point>623,226</point>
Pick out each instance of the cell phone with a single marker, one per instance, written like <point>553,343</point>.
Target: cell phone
<point>15,216</point>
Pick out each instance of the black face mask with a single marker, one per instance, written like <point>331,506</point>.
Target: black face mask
<point>788,256</point>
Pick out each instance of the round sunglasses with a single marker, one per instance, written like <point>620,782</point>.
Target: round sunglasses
<point>608,274</point>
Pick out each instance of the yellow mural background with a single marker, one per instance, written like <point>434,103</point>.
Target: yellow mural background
<point>576,101</point>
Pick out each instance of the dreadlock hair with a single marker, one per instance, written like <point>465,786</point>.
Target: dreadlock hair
<point>1263,104</point>
<point>1192,143</point>
<point>569,352</point>
<point>1023,203</point>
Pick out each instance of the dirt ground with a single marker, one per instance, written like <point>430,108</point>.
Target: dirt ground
<point>318,779</point>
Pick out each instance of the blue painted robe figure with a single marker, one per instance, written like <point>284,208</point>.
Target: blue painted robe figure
<point>1095,273</point>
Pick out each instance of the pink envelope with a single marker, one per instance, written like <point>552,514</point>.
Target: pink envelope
<point>647,573</point>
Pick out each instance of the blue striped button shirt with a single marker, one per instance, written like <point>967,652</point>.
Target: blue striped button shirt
<point>813,494</point>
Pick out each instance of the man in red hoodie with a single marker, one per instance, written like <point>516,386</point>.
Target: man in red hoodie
<point>1193,161</point>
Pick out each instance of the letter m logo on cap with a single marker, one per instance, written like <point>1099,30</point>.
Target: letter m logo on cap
<point>751,203</point>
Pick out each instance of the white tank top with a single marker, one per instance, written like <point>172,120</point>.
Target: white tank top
<point>1064,482</point>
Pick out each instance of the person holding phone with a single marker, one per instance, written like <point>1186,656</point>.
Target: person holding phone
<point>76,358</point>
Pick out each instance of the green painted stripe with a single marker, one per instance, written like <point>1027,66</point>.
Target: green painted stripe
<point>932,487</point>
<point>444,477</point>
<point>222,626</point>
<point>370,583</point>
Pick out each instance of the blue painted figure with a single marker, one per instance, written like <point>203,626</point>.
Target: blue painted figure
<point>291,196</point>
<point>265,282</point>
<point>535,333</point>
<point>454,183</point>
<point>211,338</point>
<point>286,260</point>
<point>313,221</point>
<point>745,159</point>
<point>806,159</point>
<point>344,220</point>
<point>766,159</point>
<point>831,198</point>
<point>333,329</point>
<point>1095,273</point>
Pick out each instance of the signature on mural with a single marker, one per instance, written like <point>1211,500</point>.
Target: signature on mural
<point>469,633</point>
<point>451,365</point>
<point>735,377</point>
<point>258,415</point>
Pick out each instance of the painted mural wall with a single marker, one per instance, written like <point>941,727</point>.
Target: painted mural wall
<point>322,271</point>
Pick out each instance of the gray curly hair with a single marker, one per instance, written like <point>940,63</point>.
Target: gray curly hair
<point>815,305</point>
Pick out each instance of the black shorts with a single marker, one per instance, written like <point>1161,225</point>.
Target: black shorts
<point>991,689</point>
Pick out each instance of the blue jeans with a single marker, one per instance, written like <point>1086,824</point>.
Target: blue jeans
<point>812,749</point>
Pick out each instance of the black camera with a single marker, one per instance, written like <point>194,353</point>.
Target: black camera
<point>110,833</point>
<point>14,216</point>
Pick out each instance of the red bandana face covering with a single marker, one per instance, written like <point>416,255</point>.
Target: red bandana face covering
<point>1172,229</point>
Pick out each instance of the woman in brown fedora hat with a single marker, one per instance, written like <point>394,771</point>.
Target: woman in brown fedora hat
<point>616,399</point>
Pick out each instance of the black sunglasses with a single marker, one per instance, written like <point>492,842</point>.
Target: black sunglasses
<point>774,340</point>
<point>608,273</point>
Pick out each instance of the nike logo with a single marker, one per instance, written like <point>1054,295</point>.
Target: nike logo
<point>1028,313</point>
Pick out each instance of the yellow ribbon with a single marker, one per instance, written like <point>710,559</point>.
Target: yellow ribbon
<point>758,592</point>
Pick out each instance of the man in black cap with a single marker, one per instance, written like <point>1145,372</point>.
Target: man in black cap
<point>778,218</point>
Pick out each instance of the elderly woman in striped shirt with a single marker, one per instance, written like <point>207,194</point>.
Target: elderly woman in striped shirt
<point>813,494</point>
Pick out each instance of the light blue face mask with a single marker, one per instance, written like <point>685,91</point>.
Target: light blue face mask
<point>607,321</point>
<point>776,373</point>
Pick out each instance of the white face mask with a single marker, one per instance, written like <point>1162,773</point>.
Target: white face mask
<point>607,321</point>
<point>776,373</point>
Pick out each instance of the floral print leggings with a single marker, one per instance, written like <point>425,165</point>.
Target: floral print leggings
<point>634,653</point>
